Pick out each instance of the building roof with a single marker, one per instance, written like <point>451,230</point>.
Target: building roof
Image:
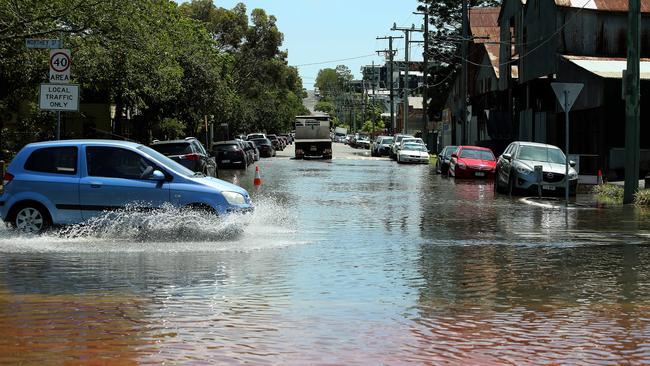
<point>604,5</point>
<point>608,67</point>
<point>484,23</point>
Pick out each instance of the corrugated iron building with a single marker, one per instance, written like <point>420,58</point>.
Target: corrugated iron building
<point>576,41</point>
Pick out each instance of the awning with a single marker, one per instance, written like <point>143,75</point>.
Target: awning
<point>608,67</point>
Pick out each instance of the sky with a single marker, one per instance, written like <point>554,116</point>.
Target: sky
<point>317,31</point>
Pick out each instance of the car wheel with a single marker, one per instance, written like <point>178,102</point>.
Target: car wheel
<point>31,219</point>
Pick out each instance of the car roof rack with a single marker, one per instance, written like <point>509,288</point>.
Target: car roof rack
<point>190,138</point>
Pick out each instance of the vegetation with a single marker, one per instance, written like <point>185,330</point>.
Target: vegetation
<point>166,66</point>
<point>642,197</point>
<point>445,32</point>
<point>609,193</point>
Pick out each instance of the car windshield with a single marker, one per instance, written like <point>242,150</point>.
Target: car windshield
<point>180,148</point>
<point>415,147</point>
<point>541,153</point>
<point>387,141</point>
<point>450,150</point>
<point>476,154</point>
<point>166,162</point>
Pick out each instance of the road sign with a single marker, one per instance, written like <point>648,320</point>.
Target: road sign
<point>59,97</point>
<point>42,43</point>
<point>567,93</point>
<point>60,63</point>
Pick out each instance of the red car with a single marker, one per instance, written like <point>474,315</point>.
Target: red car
<point>472,162</point>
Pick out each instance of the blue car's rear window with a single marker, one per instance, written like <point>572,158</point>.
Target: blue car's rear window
<point>57,160</point>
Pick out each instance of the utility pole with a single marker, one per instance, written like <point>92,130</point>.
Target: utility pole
<point>463,84</point>
<point>632,109</point>
<point>425,74</point>
<point>391,54</point>
<point>407,44</point>
<point>374,98</point>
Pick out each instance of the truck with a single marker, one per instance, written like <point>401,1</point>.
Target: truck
<point>312,137</point>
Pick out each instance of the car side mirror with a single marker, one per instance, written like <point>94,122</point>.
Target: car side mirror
<point>572,163</point>
<point>158,175</point>
<point>507,156</point>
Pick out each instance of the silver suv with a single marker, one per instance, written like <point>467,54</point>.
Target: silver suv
<point>516,169</point>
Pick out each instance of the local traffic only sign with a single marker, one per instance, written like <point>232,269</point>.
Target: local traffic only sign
<point>59,97</point>
<point>60,63</point>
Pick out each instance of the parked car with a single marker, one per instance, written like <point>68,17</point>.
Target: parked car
<point>230,154</point>
<point>254,150</point>
<point>265,146</point>
<point>413,153</point>
<point>256,135</point>
<point>472,162</point>
<point>288,137</point>
<point>382,147</point>
<point>69,181</point>
<point>362,142</point>
<point>444,157</point>
<point>284,140</point>
<point>515,169</point>
<point>250,151</point>
<point>408,139</point>
<point>277,144</point>
<point>396,141</point>
<point>190,153</point>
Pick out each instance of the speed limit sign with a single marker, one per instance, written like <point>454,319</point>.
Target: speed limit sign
<point>60,63</point>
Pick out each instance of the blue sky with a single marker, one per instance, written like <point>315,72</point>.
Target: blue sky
<point>324,30</point>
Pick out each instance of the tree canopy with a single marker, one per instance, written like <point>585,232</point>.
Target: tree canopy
<point>166,66</point>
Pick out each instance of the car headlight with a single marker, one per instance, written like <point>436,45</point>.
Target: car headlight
<point>523,170</point>
<point>573,174</point>
<point>234,198</point>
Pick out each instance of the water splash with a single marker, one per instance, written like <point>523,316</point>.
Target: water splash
<point>166,229</point>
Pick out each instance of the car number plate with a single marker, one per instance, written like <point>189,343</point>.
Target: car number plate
<point>480,174</point>
<point>225,161</point>
<point>313,148</point>
<point>549,188</point>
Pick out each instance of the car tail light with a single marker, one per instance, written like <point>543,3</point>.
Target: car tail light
<point>8,177</point>
<point>299,151</point>
<point>191,157</point>
<point>327,151</point>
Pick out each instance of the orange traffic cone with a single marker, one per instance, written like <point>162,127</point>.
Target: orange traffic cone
<point>258,180</point>
<point>600,176</point>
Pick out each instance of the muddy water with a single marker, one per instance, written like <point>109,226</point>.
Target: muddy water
<point>352,261</point>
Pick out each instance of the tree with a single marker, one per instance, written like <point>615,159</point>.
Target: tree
<point>325,106</point>
<point>446,21</point>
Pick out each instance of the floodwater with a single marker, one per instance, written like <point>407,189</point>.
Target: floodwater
<point>350,262</point>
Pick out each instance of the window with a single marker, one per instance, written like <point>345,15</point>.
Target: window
<point>170,149</point>
<point>58,160</point>
<point>114,162</point>
<point>476,154</point>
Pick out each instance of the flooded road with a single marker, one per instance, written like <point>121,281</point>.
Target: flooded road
<point>353,261</point>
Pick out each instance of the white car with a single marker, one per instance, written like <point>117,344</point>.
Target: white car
<point>257,135</point>
<point>413,153</point>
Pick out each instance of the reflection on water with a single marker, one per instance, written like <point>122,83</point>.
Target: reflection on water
<point>348,262</point>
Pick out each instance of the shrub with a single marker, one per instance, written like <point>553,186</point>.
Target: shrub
<point>642,197</point>
<point>609,192</point>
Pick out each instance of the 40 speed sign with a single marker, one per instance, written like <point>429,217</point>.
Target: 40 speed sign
<point>60,63</point>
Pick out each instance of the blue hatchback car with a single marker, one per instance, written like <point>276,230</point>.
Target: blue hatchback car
<point>69,181</point>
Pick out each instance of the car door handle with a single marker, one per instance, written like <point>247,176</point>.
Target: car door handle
<point>95,185</point>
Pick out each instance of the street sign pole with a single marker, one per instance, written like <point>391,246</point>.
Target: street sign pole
<point>566,146</point>
<point>58,125</point>
<point>566,94</point>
